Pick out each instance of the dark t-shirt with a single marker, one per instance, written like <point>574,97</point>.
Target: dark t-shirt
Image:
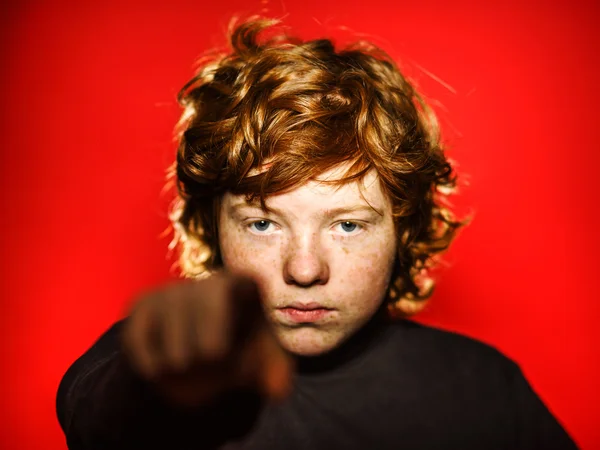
<point>399,385</point>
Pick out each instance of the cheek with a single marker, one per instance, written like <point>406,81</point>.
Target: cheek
<point>368,272</point>
<point>242,254</point>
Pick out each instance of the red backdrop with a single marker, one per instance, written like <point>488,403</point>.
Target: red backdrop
<point>87,110</point>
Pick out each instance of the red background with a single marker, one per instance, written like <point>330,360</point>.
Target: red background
<point>87,95</point>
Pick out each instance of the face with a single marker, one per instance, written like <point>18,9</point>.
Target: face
<point>322,257</point>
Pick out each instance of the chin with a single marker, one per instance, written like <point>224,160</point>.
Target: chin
<point>308,341</point>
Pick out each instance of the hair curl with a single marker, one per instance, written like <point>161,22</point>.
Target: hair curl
<point>304,107</point>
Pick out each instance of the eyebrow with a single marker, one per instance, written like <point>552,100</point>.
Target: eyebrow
<point>329,213</point>
<point>333,212</point>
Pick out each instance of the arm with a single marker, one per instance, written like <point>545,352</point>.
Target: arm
<point>102,403</point>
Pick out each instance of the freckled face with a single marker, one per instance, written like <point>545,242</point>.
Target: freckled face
<point>323,249</point>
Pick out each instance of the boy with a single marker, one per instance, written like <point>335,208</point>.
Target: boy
<point>311,206</point>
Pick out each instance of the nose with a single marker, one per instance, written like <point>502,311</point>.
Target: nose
<point>306,264</point>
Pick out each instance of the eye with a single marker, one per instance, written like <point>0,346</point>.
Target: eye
<point>349,228</point>
<point>260,226</point>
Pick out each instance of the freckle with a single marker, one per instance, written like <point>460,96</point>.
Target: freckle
<point>346,251</point>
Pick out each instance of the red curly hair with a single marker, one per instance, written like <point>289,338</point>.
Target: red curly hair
<point>304,107</point>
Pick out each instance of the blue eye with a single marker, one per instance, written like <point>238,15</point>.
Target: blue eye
<point>349,227</point>
<point>261,225</point>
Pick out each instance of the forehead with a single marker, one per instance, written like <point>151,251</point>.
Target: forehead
<point>325,193</point>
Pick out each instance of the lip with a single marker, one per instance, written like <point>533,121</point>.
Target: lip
<point>305,306</point>
<point>304,312</point>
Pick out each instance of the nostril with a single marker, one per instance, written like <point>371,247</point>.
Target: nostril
<point>306,271</point>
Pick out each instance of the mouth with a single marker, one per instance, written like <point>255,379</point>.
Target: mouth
<point>304,312</point>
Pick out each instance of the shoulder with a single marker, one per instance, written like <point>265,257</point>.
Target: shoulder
<point>437,349</point>
<point>448,368</point>
<point>103,349</point>
<point>432,338</point>
<point>443,369</point>
<point>75,383</point>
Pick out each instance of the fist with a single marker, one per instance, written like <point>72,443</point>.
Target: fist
<point>195,339</point>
